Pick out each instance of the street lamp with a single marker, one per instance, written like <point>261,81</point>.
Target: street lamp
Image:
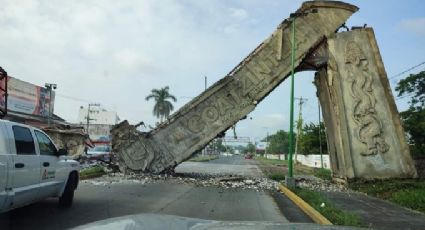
<point>320,136</point>
<point>50,87</point>
<point>290,179</point>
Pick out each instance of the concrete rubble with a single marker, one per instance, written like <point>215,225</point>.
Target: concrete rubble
<point>73,140</point>
<point>222,181</point>
<point>317,184</point>
<point>200,180</point>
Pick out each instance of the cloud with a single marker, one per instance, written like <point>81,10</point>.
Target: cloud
<point>415,25</point>
<point>131,60</point>
<point>239,18</point>
<point>273,120</point>
<point>238,13</point>
<point>260,125</point>
<point>115,52</point>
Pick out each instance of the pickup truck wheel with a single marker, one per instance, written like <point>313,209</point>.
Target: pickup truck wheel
<point>67,197</point>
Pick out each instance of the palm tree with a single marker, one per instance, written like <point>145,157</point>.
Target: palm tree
<point>163,106</point>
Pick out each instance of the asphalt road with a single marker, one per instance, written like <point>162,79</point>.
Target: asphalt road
<point>98,202</point>
<point>233,160</point>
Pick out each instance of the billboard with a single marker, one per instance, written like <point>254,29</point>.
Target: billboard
<point>27,98</point>
<point>99,132</point>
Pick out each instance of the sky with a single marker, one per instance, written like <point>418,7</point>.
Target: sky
<point>115,52</point>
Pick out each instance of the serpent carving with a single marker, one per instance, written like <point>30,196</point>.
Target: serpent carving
<point>369,129</point>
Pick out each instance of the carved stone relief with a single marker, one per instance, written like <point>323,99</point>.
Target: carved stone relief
<point>369,129</point>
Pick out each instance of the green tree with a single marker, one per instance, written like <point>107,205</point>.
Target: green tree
<point>310,142</point>
<point>230,149</point>
<point>414,118</point>
<point>217,144</point>
<point>163,106</point>
<point>250,148</point>
<point>278,143</point>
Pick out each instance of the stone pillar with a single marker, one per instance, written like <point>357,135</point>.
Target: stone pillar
<point>366,139</point>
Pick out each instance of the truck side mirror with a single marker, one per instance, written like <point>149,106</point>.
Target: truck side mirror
<point>62,152</point>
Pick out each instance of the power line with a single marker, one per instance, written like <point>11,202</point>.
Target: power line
<point>106,106</point>
<point>407,70</point>
<point>72,98</point>
<point>404,96</point>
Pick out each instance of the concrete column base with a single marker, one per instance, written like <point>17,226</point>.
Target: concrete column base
<point>290,182</point>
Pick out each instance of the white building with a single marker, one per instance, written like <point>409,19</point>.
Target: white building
<point>100,122</point>
<point>97,115</point>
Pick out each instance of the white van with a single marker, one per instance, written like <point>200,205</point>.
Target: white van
<point>32,168</point>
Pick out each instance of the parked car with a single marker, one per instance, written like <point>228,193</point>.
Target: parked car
<point>99,152</point>
<point>32,168</point>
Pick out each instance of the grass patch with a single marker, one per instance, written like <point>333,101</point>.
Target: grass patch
<point>409,193</point>
<point>272,169</point>
<point>276,176</point>
<point>333,214</point>
<point>202,158</point>
<point>325,174</point>
<point>303,169</point>
<point>263,160</point>
<point>91,172</point>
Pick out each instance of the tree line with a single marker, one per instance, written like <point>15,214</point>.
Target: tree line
<point>308,143</point>
<point>413,119</point>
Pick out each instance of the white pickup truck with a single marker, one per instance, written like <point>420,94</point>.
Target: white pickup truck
<point>32,168</point>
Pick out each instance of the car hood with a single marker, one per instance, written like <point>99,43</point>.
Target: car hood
<point>159,222</point>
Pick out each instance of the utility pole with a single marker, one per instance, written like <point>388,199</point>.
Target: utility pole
<point>299,125</point>
<point>267,141</point>
<point>290,182</point>
<point>320,136</point>
<point>291,111</point>
<point>255,144</point>
<point>205,78</point>
<point>88,119</point>
<point>49,87</point>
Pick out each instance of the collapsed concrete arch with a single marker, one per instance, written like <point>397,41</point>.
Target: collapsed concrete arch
<point>365,134</point>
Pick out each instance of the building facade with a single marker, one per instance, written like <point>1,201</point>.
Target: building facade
<point>97,122</point>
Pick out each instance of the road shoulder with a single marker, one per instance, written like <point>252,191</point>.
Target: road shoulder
<point>377,213</point>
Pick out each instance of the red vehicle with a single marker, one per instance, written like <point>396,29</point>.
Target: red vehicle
<point>248,156</point>
<point>99,152</point>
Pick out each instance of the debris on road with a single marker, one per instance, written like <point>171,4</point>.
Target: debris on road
<point>225,181</point>
<point>200,180</point>
<point>318,184</point>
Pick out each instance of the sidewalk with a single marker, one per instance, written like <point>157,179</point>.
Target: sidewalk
<point>377,213</point>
